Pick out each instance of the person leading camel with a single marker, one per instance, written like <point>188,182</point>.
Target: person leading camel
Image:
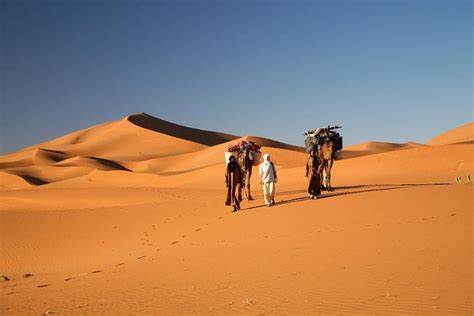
<point>232,181</point>
<point>268,178</point>
<point>313,174</point>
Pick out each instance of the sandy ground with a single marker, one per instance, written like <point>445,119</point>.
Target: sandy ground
<point>89,228</point>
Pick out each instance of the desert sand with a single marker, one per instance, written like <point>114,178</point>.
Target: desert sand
<point>128,217</point>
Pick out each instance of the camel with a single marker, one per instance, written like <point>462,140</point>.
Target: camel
<point>326,158</point>
<point>245,163</point>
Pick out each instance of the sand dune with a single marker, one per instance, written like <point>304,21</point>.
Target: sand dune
<point>12,181</point>
<point>123,145</point>
<point>191,134</point>
<point>103,147</point>
<point>128,217</point>
<point>92,162</point>
<point>418,164</point>
<point>371,148</point>
<point>461,134</point>
<point>123,139</point>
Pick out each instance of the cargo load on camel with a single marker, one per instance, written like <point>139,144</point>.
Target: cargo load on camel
<point>237,149</point>
<point>316,137</point>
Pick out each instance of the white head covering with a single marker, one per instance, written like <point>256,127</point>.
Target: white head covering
<point>266,159</point>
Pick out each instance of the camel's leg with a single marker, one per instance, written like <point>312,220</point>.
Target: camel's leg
<point>321,179</point>
<point>244,182</point>
<point>239,191</point>
<point>327,178</point>
<point>328,174</point>
<point>324,185</point>
<point>247,175</point>
<point>247,185</point>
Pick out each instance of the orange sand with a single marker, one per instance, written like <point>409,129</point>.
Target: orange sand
<point>129,217</point>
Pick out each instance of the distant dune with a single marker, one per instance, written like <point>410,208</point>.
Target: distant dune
<point>461,134</point>
<point>371,148</point>
<point>139,142</point>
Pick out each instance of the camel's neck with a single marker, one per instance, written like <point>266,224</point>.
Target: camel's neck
<point>246,163</point>
<point>326,152</point>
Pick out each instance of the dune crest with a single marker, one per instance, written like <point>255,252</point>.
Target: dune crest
<point>461,134</point>
<point>371,148</point>
<point>199,136</point>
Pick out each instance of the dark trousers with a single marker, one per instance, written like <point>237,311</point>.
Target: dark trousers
<point>233,188</point>
<point>314,184</point>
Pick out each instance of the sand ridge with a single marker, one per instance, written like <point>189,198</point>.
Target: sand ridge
<point>461,134</point>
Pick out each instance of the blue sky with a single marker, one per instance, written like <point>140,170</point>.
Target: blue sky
<point>385,70</point>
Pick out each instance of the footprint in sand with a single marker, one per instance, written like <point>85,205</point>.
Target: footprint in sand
<point>43,285</point>
<point>174,242</point>
<point>96,271</point>
<point>119,264</point>
<point>141,257</point>
<point>68,279</point>
<point>197,229</point>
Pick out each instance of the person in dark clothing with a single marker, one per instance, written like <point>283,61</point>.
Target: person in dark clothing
<point>313,174</point>
<point>233,178</point>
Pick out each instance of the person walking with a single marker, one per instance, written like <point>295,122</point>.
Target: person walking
<point>268,178</point>
<point>233,178</point>
<point>313,175</point>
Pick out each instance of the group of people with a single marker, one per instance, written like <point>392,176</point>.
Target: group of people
<point>235,179</point>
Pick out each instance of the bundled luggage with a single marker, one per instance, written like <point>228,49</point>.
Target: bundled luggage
<point>316,137</point>
<point>238,149</point>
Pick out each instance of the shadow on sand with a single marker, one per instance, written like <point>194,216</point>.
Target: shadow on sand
<point>346,190</point>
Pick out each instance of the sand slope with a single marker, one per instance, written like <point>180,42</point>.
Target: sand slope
<point>461,134</point>
<point>128,217</point>
<point>371,148</point>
